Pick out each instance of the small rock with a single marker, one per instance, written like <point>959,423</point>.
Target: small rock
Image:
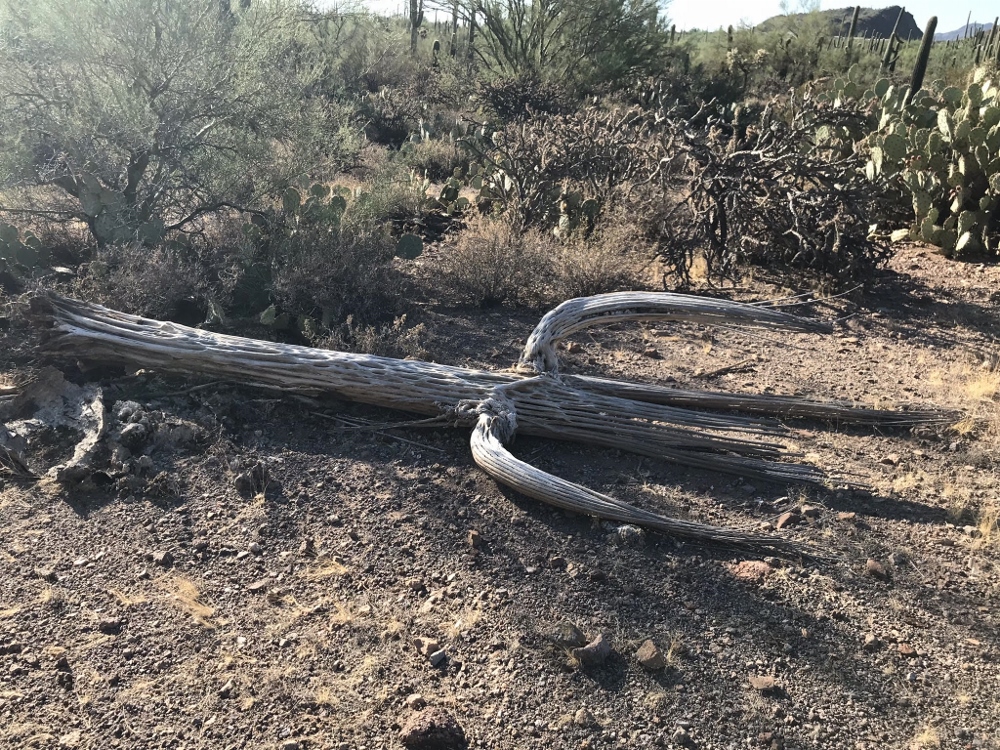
<point>46,574</point>
<point>891,459</point>
<point>847,516</point>
<point>110,626</point>
<point>438,657</point>
<point>252,480</point>
<point>433,729</point>
<point>290,745</point>
<point>810,511</point>
<point>681,736</point>
<point>133,436</point>
<point>763,683</point>
<point>872,643</point>
<point>243,483</point>
<point>256,549</point>
<point>415,701</point>
<point>584,718</point>
<point>906,650</point>
<point>876,570</point>
<point>475,539</point>
<point>120,454</point>
<point>426,646</point>
<point>787,519</point>
<point>416,585</point>
<point>628,535</point>
<point>594,653</point>
<point>257,586</point>
<point>650,656</point>
<point>751,570</point>
<point>898,558</point>
<point>164,559</point>
<point>568,635</point>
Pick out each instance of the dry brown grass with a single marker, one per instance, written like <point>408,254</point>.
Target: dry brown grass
<point>927,737</point>
<point>127,600</point>
<point>52,597</point>
<point>495,261</point>
<point>185,595</point>
<point>326,567</point>
<point>675,651</point>
<point>609,260</point>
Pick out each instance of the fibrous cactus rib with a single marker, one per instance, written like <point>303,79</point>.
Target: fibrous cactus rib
<point>603,309</point>
<point>496,426</point>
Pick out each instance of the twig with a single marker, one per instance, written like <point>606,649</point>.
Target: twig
<point>352,424</point>
<point>741,366</point>
<point>192,389</point>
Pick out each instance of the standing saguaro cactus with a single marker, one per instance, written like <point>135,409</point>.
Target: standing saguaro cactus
<point>416,18</point>
<point>854,26</point>
<point>893,45</point>
<point>920,66</point>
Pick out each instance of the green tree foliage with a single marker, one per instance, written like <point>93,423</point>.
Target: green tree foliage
<point>583,41</point>
<point>141,116</point>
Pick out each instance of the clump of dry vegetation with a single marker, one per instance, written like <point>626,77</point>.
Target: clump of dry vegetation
<point>158,282</point>
<point>495,260</point>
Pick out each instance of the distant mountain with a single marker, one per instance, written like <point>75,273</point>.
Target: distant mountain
<point>870,21</point>
<point>960,32</point>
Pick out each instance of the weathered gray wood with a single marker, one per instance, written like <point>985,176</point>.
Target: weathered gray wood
<point>532,399</point>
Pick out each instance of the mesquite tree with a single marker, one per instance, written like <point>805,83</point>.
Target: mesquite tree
<point>137,117</point>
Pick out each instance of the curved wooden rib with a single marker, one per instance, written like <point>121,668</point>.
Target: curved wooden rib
<point>497,424</point>
<point>574,315</point>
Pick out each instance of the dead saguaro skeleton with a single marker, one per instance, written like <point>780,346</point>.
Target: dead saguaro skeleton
<point>533,398</point>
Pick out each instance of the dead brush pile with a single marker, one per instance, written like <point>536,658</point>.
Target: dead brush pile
<point>773,191</point>
<point>781,187</point>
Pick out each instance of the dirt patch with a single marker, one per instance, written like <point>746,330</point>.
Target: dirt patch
<point>352,580</point>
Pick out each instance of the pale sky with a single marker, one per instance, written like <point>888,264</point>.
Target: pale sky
<point>713,14</point>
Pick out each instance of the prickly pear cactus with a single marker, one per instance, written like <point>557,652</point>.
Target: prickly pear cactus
<point>17,253</point>
<point>943,150</point>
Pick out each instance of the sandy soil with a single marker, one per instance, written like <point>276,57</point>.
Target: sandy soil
<point>268,579</point>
